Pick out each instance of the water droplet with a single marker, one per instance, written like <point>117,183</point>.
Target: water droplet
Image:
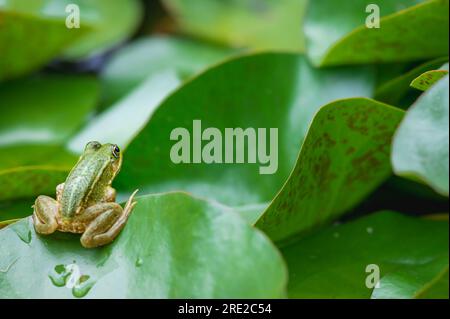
<point>59,275</point>
<point>139,262</point>
<point>60,269</point>
<point>369,230</point>
<point>70,276</point>
<point>336,235</point>
<point>23,232</point>
<point>28,237</point>
<point>82,287</point>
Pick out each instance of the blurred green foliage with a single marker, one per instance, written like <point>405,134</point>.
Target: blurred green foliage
<point>136,69</point>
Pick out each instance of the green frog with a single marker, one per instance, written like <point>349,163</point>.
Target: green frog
<point>85,202</point>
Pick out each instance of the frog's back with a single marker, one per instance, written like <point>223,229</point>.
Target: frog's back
<point>79,184</point>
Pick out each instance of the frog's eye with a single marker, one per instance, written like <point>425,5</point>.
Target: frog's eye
<point>94,145</point>
<point>116,151</point>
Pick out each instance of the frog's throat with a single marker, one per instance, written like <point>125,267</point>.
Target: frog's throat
<point>80,183</point>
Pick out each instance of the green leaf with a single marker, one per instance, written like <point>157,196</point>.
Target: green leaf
<point>153,56</point>
<point>38,114</point>
<point>414,282</point>
<point>173,246</point>
<point>121,122</point>
<point>22,175</point>
<point>336,31</point>
<point>411,253</point>
<point>5,223</point>
<point>344,158</point>
<point>427,79</point>
<point>28,181</point>
<point>397,91</point>
<point>438,289</point>
<point>421,146</point>
<point>45,108</point>
<point>22,34</point>
<point>25,26</point>
<point>263,24</point>
<point>12,210</point>
<point>238,93</point>
<point>143,74</point>
<point>112,22</point>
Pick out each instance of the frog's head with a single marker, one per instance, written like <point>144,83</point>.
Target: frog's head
<point>95,170</point>
<point>109,154</point>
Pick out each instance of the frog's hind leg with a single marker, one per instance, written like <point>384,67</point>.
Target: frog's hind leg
<point>109,221</point>
<point>45,214</point>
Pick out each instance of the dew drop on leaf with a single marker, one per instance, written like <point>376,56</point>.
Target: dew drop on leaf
<point>59,275</point>
<point>23,232</point>
<point>82,287</point>
<point>139,262</point>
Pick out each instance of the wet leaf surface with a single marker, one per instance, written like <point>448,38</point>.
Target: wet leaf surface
<point>173,246</point>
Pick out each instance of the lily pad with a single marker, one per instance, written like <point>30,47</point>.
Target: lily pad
<point>38,116</point>
<point>427,79</point>
<point>22,175</point>
<point>173,246</point>
<point>411,255</point>
<point>421,146</point>
<point>45,108</point>
<point>438,290</point>
<point>336,31</point>
<point>103,24</point>
<point>12,210</point>
<point>344,158</point>
<point>397,91</point>
<point>21,53</point>
<point>263,24</point>
<point>141,76</point>
<point>112,22</point>
<point>120,122</point>
<point>286,100</point>
<point>8,222</point>
<point>151,56</point>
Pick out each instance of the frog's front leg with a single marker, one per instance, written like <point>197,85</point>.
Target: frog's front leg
<point>44,215</point>
<point>110,194</point>
<point>59,191</point>
<point>108,220</point>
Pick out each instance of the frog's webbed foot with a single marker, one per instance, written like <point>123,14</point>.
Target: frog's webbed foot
<point>108,223</point>
<point>44,215</point>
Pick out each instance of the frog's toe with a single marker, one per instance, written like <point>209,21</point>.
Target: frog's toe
<point>44,215</point>
<point>130,203</point>
<point>104,228</point>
